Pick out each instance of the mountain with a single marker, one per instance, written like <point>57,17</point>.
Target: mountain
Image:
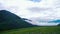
<point>56,21</point>
<point>58,24</point>
<point>9,20</point>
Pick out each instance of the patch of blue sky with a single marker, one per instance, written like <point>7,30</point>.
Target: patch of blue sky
<point>35,0</point>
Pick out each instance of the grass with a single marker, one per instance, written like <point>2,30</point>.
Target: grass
<point>34,30</point>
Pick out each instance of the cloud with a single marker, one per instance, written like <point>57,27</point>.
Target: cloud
<point>46,9</point>
<point>42,23</point>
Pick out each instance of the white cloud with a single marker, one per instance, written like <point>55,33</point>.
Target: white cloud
<point>42,23</point>
<point>47,9</point>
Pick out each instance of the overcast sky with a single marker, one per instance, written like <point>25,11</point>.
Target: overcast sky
<point>34,10</point>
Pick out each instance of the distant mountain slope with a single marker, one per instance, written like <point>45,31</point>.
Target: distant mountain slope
<point>56,21</point>
<point>9,20</point>
<point>58,24</point>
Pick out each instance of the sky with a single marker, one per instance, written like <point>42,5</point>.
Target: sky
<point>35,10</point>
<point>35,1</point>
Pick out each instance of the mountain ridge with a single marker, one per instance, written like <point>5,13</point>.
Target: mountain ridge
<point>9,20</point>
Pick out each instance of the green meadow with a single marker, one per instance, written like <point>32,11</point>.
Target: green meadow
<point>34,30</point>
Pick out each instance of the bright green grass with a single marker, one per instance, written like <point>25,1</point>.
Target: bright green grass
<point>34,30</point>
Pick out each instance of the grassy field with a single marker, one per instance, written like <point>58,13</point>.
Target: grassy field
<point>34,30</point>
